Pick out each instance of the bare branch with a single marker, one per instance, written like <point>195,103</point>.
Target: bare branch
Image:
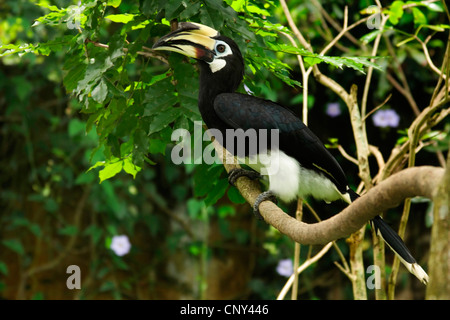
<point>302,268</point>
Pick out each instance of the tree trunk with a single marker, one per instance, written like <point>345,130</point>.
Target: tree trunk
<point>439,262</point>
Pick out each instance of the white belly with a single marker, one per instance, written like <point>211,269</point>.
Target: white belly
<point>288,180</point>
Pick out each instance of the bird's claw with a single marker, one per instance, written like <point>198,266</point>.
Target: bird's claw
<point>237,173</point>
<point>264,196</point>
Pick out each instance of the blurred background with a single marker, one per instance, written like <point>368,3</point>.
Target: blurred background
<point>152,236</point>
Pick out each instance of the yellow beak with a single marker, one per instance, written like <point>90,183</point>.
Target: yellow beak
<point>191,39</point>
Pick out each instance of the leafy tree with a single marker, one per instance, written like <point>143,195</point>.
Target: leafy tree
<point>89,111</point>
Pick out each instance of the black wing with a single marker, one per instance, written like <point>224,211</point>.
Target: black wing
<point>240,111</point>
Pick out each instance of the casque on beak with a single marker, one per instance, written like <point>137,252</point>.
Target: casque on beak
<point>191,39</point>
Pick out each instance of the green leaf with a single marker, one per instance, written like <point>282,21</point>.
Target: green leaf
<point>15,245</point>
<point>93,74</point>
<point>257,10</point>
<point>45,4</point>
<point>159,97</point>
<point>217,192</point>
<point>100,91</point>
<point>112,201</point>
<point>438,27</point>
<point>173,8</point>
<point>226,210</point>
<point>76,127</point>
<point>237,5</point>
<point>69,230</point>
<point>73,76</point>
<point>38,296</point>
<point>128,120</point>
<point>96,165</point>
<point>357,63</point>
<point>313,60</point>
<point>194,208</point>
<point>419,17</point>
<point>114,3</point>
<point>110,170</point>
<point>369,37</point>
<point>140,148</point>
<point>205,177</point>
<point>130,168</point>
<point>85,178</point>
<point>190,11</point>
<point>121,18</point>
<point>211,17</point>
<point>110,117</point>
<point>433,6</point>
<point>3,268</point>
<point>120,263</point>
<point>201,181</point>
<point>195,249</point>
<point>23,87</point>
<point>157,146</point>
<point>35,229</point>
<point>162,120</point>
<point>235,196</point>
<point>115,49</point>
<point>96,233</point>
<point>396,12</point>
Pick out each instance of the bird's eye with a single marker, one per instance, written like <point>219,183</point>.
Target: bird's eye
<point>220,48</point>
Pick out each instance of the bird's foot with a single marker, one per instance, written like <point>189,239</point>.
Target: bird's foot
<point>266,195</point>
<point>237,173</point>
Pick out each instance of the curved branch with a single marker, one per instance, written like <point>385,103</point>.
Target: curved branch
<point>411,182</point>
<point>408,183</point>
<point>302,268</point>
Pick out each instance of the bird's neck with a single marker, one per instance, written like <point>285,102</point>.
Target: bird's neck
<point>211,85</point>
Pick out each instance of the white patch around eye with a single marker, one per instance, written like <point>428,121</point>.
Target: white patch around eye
<point>218,63</point>
<point>226,52</point>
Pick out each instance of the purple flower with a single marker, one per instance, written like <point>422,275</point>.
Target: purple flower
<point>120,245</point>
<point>333,109</point>
<point>386,118</point>
<point>285,268</point>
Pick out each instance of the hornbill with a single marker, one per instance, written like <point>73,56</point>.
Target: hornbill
<point>304,167</point>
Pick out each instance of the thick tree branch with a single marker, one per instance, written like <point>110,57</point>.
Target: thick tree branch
<point>408,183</point>
<point>419,181</point>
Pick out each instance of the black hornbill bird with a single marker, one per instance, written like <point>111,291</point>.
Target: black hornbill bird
<point>304,167</point>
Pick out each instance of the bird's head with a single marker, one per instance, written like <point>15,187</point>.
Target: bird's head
<point>219,53</point>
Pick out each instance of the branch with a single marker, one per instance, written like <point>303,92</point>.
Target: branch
<point>63,253</point>
<point>404,89</point>
<point>428,59</point>
<point>428,118</point>
<point>302,268</point>
<point>419,181</point>
<point>411,182</point>
<point>334,23</point>
<point>149,53</point>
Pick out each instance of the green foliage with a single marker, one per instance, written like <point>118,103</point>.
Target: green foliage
<point>90,110</point>
<point>126,111</point>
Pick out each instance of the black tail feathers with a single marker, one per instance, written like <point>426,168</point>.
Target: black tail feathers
<point>392,239</point>
<point>396,243</point>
